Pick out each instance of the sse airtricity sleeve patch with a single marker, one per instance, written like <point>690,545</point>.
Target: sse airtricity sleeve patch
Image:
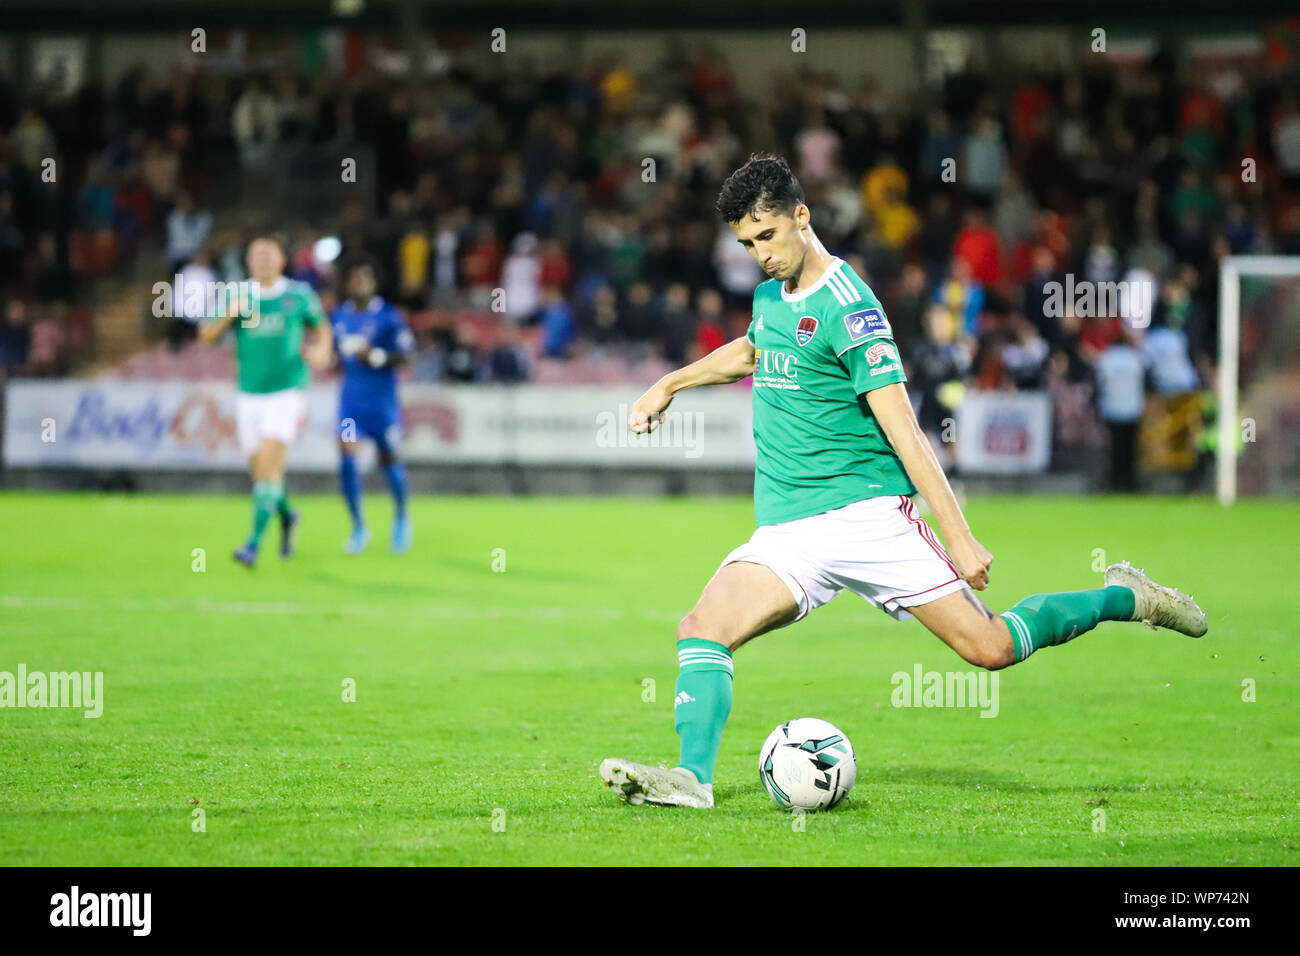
<point>866,324</point>
<point>864,344</point>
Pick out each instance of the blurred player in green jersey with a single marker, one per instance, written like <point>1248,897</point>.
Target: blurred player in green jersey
<point>273,376</point>
<point>840,455</point>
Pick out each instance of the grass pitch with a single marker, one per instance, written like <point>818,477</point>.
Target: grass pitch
<point>486,697</point>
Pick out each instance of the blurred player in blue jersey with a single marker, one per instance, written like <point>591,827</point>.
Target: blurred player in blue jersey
<point>372,341</point>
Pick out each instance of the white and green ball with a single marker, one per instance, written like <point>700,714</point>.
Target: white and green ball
<point>807,764</point>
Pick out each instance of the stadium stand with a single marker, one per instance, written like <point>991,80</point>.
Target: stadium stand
<point>533,182</point>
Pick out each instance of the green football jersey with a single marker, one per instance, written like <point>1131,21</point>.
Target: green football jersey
<point>269,350</point>
<point>818,352</point>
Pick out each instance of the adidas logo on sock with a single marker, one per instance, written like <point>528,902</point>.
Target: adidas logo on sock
<point>683,698</point>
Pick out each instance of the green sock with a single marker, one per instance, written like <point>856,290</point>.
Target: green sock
<point>702,703</point>
<point>1045,620</point>
<point>282,507</point>
<point>265,496</point>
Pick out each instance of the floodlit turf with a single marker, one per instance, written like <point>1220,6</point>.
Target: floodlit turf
<point>485,699</point>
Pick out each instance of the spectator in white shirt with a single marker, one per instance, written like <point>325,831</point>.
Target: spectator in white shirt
<point>738,273</point>
<point>818,149</point>
<point>187,231</point>
<point>1121,395</point>
<point>1286,141</point>
<point>1165,353</point>
<point>984,156</point>
<point>194,282</point>
<point>521,279</point>
<point>1141,290</point>
<point>255,123</point>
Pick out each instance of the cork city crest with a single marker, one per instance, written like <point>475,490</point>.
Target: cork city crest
<point>805,330</point>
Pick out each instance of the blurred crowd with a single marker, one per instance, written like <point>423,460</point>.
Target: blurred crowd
<point>87,179</point>
<point>563,218</point>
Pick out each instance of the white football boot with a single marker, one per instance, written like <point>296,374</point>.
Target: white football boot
<point>637,783</point>
<point>1156,605</point>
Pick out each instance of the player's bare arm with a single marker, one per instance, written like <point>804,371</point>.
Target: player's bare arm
<point>212,329</point>
<point>893,410</point>
<point>728,363</point>
<point>209,332</point>
<point>320,353</point>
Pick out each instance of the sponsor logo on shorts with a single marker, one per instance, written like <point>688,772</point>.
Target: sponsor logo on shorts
<point>806,329</point>
<point>866,324</point>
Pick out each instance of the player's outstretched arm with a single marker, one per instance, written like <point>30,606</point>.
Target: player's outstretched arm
<point>209,332</point>
<point>320,353</point>
<point>893,410</point>
<point>213,327</point>
<point>729,363</point>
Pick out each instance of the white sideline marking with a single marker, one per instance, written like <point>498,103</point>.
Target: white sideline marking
<point>25,602</point>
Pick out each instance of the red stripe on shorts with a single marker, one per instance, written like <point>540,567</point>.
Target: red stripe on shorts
<point>908,510</point>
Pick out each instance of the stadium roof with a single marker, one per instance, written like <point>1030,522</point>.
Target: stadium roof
<point>136,16</point>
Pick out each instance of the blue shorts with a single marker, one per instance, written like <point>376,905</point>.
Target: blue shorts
<point>383,426</point>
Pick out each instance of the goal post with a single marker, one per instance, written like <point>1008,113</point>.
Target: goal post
<point>1232,269</point>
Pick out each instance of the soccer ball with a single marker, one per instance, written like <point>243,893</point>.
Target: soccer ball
<point>807,764</point>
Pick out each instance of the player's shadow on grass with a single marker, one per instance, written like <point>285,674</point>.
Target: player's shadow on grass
<point>520,570</point>
<point>371,587</point>
<point>471,569</point>
<point>970,780</point>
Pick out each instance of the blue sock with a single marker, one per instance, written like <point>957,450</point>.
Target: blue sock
<point>396,475</point>
<point>350,482</point>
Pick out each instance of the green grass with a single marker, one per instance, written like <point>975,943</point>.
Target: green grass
<point>479,691</point>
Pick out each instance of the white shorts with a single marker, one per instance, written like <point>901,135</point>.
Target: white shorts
<point>878,548</point>
<point>276,415</point>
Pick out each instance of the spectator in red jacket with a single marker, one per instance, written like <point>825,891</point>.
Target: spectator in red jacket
<point>557,267</point>
<point>711,332</point>
<point>978,244</point>
<point>481,264</point>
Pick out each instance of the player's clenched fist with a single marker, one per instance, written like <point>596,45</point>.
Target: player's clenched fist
<point>320,354</point>
<point>647,412</point>
<point>972,560</point>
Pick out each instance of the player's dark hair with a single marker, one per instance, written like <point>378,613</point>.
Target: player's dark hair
<point>764,184</point>
<point>360,260</point>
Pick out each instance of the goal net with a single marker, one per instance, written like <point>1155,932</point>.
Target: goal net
<point>1257,440</point>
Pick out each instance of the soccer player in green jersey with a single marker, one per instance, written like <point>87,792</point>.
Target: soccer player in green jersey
<point>271,400</point>
<point>840,456</point>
